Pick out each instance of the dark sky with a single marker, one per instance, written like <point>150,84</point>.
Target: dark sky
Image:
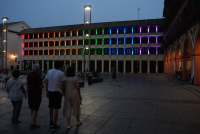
<point>45,13</point>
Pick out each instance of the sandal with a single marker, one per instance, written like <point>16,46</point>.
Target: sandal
<point>69,127</point>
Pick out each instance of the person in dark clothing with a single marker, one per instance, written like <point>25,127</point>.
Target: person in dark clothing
<point>35,86</point>
<point>114,76</point>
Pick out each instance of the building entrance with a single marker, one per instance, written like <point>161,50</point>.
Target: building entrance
<point>144,66</point>
<point>160,66</point>
<point>128,66</point>
<point>120,66</point>
<point>152,66</point>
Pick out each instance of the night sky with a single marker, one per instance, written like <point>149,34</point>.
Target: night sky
<point>45,13</point>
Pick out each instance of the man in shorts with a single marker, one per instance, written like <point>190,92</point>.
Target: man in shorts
<point>54,90</point>
<point>35,86</point>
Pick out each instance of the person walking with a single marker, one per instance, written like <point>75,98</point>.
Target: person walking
<point>35,86</point>
<point>15,91</point>
<point>114,76</point>
<point>54,87</point>
<point>72,97</point>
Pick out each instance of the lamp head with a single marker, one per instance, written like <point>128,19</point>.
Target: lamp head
<point>88,7</point>
<point>5,18</point>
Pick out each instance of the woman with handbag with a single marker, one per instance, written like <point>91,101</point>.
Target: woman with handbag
<point>72,97</point>
<point>15,91</point>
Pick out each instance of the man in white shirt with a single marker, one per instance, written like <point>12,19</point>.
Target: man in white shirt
<point>55,87</point>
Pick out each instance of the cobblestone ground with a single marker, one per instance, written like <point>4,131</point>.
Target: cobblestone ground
<point>140,104</point>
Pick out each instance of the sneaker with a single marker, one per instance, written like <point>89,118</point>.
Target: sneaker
<point>35,126</point>
<point>79,123</point>
<point>51,124</point>
<point>70,126</point>
<point>55,127</point>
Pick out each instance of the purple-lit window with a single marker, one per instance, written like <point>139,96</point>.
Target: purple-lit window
<point>152,50</point>
<point>156,40</point>
<point>140,40</point>
<point>148,29</point>
<point>144,51</point>
<point>140,29</point>
<point>148,40</point>
<point>156,29</point>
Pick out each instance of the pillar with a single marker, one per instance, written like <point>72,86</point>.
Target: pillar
<point>156,66</point>
<point>102,66</point>
<point>195,69</point>
<point>82,66</point>
<point>132,65</point>
<point>70,62</point>
<point>109,66</point>
<point>168,70</point>
<point>42,65</point>
<point>140,67</point>
<point>178,64</point>
<point>172,66</point>
<point>53,64</point>
<point>124,66</point>
<point>95,66</point>
<point>166,67</point>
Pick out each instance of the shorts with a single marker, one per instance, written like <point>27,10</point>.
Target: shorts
<point>55,99</point>
<point>113,77</point>
<point>34,103</point>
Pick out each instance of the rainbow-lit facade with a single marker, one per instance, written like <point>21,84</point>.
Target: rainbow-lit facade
<point>131,48</point>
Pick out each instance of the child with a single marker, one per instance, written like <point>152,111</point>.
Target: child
<point>15,89</point>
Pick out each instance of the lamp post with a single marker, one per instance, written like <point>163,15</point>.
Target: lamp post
<point>88,23</point>
<point>5,19</point>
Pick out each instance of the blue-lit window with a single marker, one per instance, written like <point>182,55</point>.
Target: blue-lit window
<point>128,51</point>
<point>121,30</point>
<point>136,51</point>
<point>121,51</point>
<point>110,41</point>
<point>129,30</point>
<point>128,40</point>
<point>124,41</point>
<point>113,51</point>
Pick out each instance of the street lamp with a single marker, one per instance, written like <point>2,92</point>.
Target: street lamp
<point>5,19</point>
<point>88,23</point>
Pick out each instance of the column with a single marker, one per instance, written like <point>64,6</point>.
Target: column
<point>42,65</point>
<point>82,66</point>
<point>70,62</point>
<point>156,66</point>
<point>102,66</point>
<point>124,66</point>
<point>95,66</point>
<point>132,64</point>
<point>76,66</point>
<point>148,66</point>
<point>140,67</point>
<point>172,66</point>
<point>109,66</point>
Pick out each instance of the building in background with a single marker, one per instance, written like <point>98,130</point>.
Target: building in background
<point>12,43</point>
<point>131,46</point>
<point>182,38</point>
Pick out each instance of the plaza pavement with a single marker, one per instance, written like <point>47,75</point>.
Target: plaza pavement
<point>141,104</point>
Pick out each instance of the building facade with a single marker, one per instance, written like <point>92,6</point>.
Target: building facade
<point>12,43</point>
<point>130,46</point>
<point>182,38</point>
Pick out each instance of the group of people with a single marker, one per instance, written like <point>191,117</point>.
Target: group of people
<point>57,86</point>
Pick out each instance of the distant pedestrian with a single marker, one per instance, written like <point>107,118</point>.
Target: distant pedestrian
<point>54,87</point>
<point>114,76</point>
<point>35,86</point>
<point>15,91</point>
<point>72,97</point>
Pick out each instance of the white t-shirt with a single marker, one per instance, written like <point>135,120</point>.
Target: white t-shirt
<point>15,93</point>
<point>70,86</point>
<point>55,77</point>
